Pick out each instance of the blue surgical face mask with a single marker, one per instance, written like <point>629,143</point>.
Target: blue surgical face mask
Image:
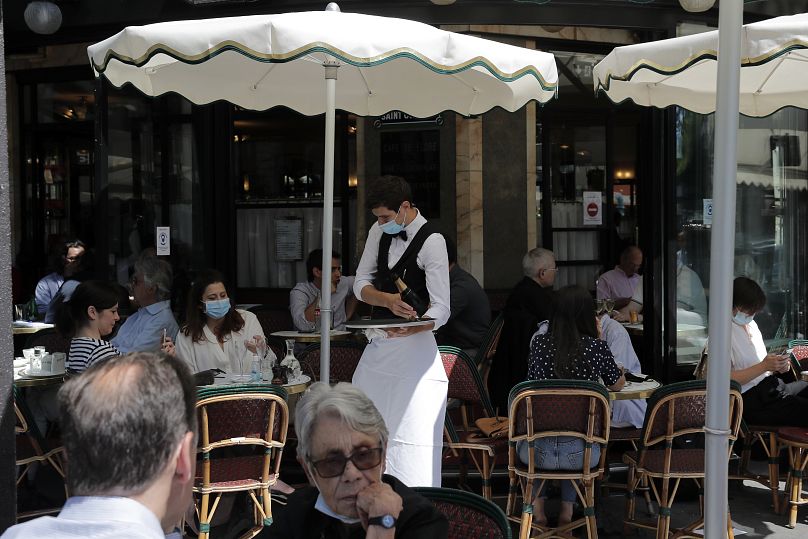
<point>218,308</point>
<point>742,319</point>
<point>392,227</point>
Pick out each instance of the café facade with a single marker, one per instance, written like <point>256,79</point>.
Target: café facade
<point>241,190</point>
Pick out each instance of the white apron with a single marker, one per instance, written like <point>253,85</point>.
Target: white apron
<point>405,379</point>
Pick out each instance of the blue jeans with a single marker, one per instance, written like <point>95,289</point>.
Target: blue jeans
<point>559,453</point>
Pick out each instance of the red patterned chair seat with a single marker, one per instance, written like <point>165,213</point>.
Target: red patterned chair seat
<point>797,435</point>
<point>233,472</point>
<point>684,462</point>
<point>624,434</point>
<point>467,522</point>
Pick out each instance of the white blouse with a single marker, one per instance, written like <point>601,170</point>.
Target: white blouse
<point>747,349</point>
<point>208,354</point>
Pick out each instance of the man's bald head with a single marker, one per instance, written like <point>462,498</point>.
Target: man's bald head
<point>631,260</point>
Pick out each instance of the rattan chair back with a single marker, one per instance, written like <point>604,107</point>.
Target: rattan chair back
<point>345,356</point>
<point>465,382</point>
<point>255,418</point>
<point>469,515</point>
<point>273,318</point>
<point>550,408</point>
<point>678,410</point>
<point>31,448</point>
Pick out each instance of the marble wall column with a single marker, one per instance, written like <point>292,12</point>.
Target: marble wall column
<point>469,194</point>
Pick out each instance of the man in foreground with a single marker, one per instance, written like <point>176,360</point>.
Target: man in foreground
<point>129,430</point>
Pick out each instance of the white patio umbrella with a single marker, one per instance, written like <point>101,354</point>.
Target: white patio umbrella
<point>764,68</point>
<point>384,64</point>
<point>683,71</point>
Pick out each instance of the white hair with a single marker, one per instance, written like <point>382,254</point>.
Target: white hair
<point>342,401</point>
<point>537,259</point>
<point>156,273</point>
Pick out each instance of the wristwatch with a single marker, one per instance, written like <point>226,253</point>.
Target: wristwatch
<point>385,521</point>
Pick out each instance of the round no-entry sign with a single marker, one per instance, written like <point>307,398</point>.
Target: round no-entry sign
<point>592,209</point>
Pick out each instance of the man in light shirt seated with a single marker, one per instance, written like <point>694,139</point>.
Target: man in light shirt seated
<point>151,288</point>
<point>129,430</point>
<point>625,413</point>
<point>304,297</point>
<point>620,283</point>
<point>49,285</point>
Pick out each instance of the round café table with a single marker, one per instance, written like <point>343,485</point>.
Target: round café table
<point>312,337</point>
<point>38,381</point>
<point>299,386</point>
<point>635,390</point>
<point>30,330</point>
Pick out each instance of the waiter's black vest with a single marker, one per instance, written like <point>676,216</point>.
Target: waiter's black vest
<point>406,268</point>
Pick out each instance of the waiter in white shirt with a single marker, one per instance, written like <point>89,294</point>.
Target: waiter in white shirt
<point>401,370</point>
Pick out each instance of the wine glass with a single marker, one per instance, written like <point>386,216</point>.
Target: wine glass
<point>600,306</point>
<point>609,305</point>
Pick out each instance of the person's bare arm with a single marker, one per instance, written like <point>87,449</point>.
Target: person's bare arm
<point>772,362</point>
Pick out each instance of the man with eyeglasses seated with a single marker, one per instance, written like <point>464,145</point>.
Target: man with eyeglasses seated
<point>342,441</point>
<point>146,330</point>
<point>304,299</point>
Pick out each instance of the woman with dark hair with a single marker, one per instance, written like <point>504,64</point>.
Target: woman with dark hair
<point>87,317</point>
<point>570,350</point>
<point>766,398</point>
<point>215,335</point>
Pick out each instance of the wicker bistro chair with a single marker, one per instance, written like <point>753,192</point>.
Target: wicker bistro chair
<point>468,514</point>
<point>766,436</point>
<point>795,439</point>
<point>488,347</point>
<point>254,417</point>
<point>345,356</point>
<point>675,412</point>
<point>32,447</point>
<point>466,386</point>
<point>546,408</point>
<point>273,318</point>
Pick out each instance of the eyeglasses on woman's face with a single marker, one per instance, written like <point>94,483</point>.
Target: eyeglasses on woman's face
<point>363,458</point>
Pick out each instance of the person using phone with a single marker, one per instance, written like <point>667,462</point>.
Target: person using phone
<point>767,399</point>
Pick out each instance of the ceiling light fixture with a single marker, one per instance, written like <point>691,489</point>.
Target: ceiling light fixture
<point>43,17</point>
<point>696,6</point>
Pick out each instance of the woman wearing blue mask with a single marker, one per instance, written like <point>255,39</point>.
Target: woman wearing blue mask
<point>216,335</point>
<point>767,399</point>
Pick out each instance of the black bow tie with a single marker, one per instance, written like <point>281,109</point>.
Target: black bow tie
<point>402,235</point>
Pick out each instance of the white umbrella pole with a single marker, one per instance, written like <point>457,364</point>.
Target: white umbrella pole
<point>328,218</point>
<point>722,254</point>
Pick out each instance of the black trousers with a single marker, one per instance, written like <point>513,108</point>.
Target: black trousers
<point>773,402</point>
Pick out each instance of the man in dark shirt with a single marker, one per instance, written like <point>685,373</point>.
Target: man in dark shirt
<point>531,301</point>
<point>470,311</point>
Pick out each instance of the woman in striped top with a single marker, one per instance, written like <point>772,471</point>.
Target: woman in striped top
<point>88,316</point>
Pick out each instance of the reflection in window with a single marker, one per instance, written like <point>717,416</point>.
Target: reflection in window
<point>771,234</point>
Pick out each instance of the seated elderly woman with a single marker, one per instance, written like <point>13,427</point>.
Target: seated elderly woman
<point>342,441</point>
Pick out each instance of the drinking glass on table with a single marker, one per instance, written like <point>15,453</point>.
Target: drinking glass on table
<point>600,306</point>
<point>609,303</point>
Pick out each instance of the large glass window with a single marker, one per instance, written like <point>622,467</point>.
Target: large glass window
<point>771,231</point>
<point>152,178</point>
